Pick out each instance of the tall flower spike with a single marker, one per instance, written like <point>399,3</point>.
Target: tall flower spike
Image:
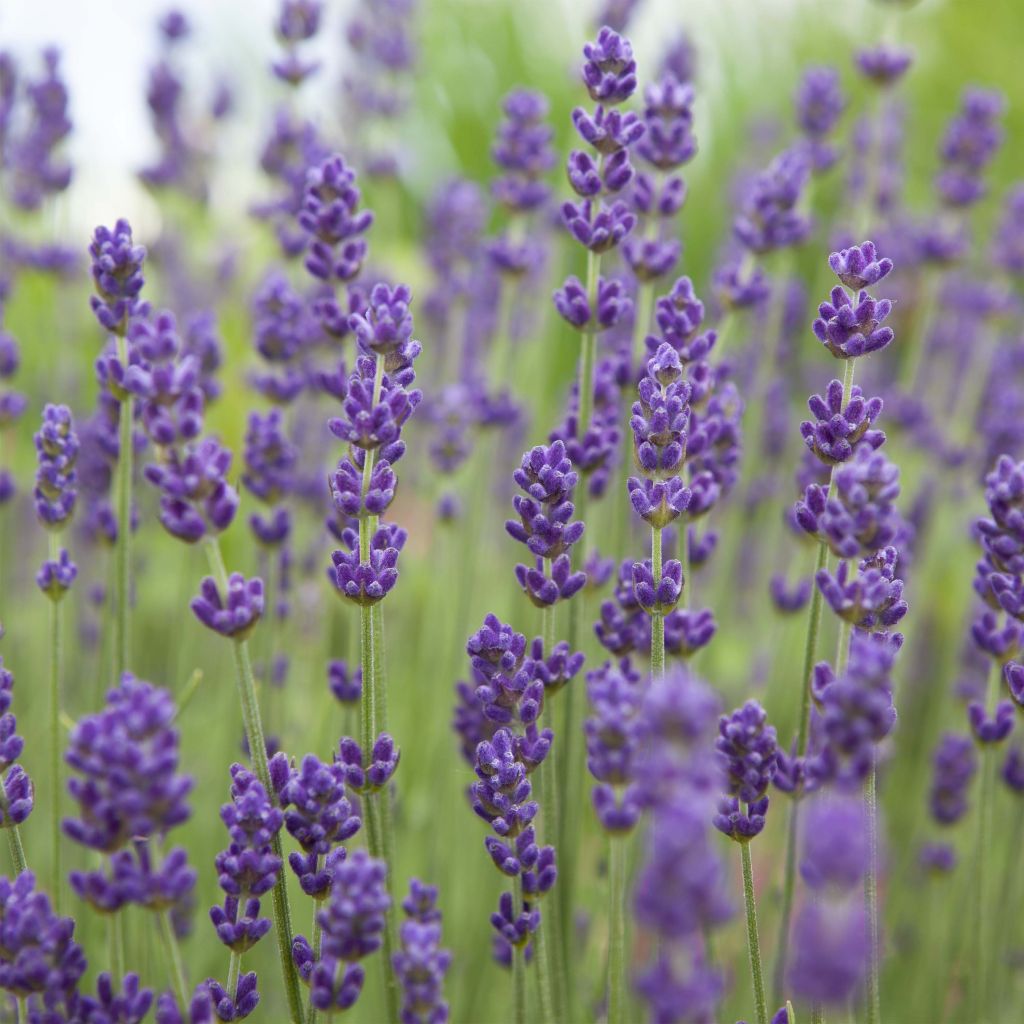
<point>117,274</point>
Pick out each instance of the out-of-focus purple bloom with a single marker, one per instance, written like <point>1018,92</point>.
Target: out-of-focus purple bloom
<point>421,964</point>
<point>971,141</point>
<point>770,217</point>
<point>346,685</point>
<point>820,103</point>
<point>331,217</point>
<point>884,64</point>
<point>954,763</point>
<point>57,450</point>
<point>990,729</point>
<point>789,599</point>
<point>55,577</point>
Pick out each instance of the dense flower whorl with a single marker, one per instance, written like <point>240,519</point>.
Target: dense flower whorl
<point>353,916</point>
<point>57,449</point>
<point>233,614</point>
<point>615,732</point>
<point>38,954</point>
<point>837,428</point>
<point>609,70</point>
<point>117,275</point>
<point>748,749</point>
<point>331,217</point>
<point>248,868</point>
<point>661,416</point>
<point>421,963</point>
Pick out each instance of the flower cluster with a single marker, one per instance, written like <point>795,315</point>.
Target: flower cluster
<point>749,751</point>
<point>421,963</point>
<point>129,796</point>
<point>545,524</point>
<point>18,796</point>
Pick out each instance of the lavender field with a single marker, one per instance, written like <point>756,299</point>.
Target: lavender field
<point>512,512</point>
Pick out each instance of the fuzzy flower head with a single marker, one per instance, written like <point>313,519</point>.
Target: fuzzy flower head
<point>117,275</point>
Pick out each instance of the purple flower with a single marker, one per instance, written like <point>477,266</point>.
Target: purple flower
<point>770,217</point>
<point>368,775</point>
<point>954,763</point>
<point>514,925</point>
<point>129,1006</point>
<point>421,963</point>
<point>40,954</point>
<point>346,685</point>
<point>830,945</point>
<point>659,596</point>
<point>661,416</point>
<point>57,449</point>
<point>18,793</point>
<point>371,581</point>
<point>687,631</point>
<point>859,266</point>
<point>331,217</point>
<point>614,734</point>
<point>573,303</point>
<point>55,577</point>
<point>789,600</point>
<point>820,103</point>
<point>870,601</point>
<point>353,917</point>
<point>884,64</point>
<point>609,70</point>
<point>248,868</point>
<point>236,613</point>
<point>749,751</point>
<point>969,145</point>
<point>522,149</point>
<point>317,814</point>
<point>989,730</point>
<point>739,824</point>
<point>836,430</point>
<point>117,275</point>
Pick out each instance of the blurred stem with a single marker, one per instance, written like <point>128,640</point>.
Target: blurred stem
<point>18,862</point>
<point>546,970</point>
<point>657,619</point>
<point>642,320</point>
<point>115,937</point>
<point>254,737</point>
<point>987,768</point>
<point>22,1004</point>
<point>588,348</point>
<point>843,647</point>
<point>122,551</point>
<point>684,559</point>
<point>782,946</point>
<point>616,929</point>
<point>173,952</point>
<point>753,943</point>
<point>874,1011</point>
<point>55,744</point>
<point>518,959</point>
<point>924,317</point>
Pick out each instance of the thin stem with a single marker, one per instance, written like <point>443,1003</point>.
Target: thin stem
<point>253,726</point>
<point>657,619</point>
<point>843,646</point>
<point>115,938</point>
<point>55,744</point>
<point>518,960</point>
<point>18,862</point>
<point>753,943</point>
<point>122,550</point>
<point>550,941</point>
<point>781,957</point>
<point>588,349</point>
<point>925,311</point>
<point>616,930</point>
<point>686,597</point>
<point>874,1011</point>
<point>987,768</point>
<point>173,951</point>
<point>234,969</point>
<point>644,304</point>
<point>22,1003</point>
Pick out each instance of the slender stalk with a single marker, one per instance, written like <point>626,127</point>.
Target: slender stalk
<point>22,1003</point>
<point>982,919</point>
<point>115,938</point>
<point>843,646</point>
<point>925,313</point>
<point>616,930</point>
<point>786,914</point>
<point>550,942</point>
<point>588,351</point>
<point>234,969</point>
<point>258,752</point>
<point>173,952</point>
<point>874,1011</point>
<point>518,960</point>
<point>18,862</point>
<point>122,550</point>
<point>644,305</point>
<point>56,874</point>
<point>686,597</point>
<point>657,619</point>
<point>753,943</point>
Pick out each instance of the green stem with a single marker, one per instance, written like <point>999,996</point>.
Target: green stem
<point>173,952</point>
<point>753,943</point>
<point>234,969</point>
<point>18,862</point>
<point>545,953</point>
<point>616,930</point>
<point>874,1012</point>
<point>843,646</point>
<point>22,1003</point>
<point>925,312</point>
<point>253,726</point>
<point>56,874</point>
<point>782,956</point>
<point>987,769</point>
<point>115,937</point>
<point>686,597</point>
<point>657,619</point>
<point>122,550</point>
<point>588,349</point>
<point>644,305</point>
<point>518,960</point>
